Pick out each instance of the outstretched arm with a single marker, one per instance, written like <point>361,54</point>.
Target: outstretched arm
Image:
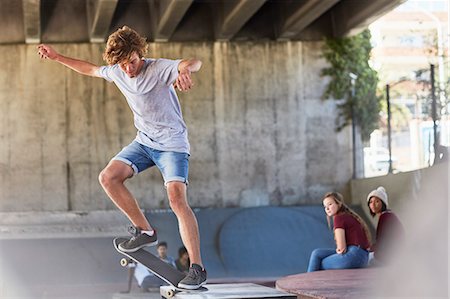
<point>185,68</point>
<point>80,66</point>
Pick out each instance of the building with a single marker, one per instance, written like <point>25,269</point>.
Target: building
<point>406,42</point>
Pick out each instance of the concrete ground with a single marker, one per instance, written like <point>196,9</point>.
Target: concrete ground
<point>68,268</point>
<point>60,268</point>
<point>134,295</point>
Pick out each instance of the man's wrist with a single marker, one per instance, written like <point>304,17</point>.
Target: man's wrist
<point>57,57</point>
<point>184,71</point>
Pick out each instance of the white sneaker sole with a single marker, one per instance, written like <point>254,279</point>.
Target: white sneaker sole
<point>136,248</point>
<point>191,287</point>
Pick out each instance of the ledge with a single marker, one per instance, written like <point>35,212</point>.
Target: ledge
<point>33,225</point>
<point>329,284</point>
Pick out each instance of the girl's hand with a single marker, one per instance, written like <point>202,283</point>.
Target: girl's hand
<point>341,250</point>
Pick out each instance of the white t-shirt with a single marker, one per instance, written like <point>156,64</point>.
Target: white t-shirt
<point>154,103</point>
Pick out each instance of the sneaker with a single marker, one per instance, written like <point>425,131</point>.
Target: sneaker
<point>139,240</point>
<point>195,278</point>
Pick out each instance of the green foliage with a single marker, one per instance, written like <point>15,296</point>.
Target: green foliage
<point>351,55</point>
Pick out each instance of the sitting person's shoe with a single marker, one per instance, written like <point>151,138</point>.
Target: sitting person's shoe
<point>139,240</point>
<point>194,279</point>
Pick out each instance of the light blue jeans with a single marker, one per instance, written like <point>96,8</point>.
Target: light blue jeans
<point>173,166</point>
<point>327,259</point>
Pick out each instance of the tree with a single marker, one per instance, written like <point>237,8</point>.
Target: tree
<point>351,55</point>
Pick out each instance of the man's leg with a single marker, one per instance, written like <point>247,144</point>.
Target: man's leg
<point>189,234</point>
<point>174,167</point>
<point>187,222</point>
<point>112,179</point>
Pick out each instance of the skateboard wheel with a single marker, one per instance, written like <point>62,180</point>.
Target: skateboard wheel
<point>124,262</point>
<point>170,293</point>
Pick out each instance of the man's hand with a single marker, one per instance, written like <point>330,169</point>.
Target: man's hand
<point>184,81</point>
<point>79,66</point>
<point>47,52</point>
<point>185,68</point>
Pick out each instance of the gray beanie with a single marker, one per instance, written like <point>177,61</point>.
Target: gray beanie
<point>380,192</point>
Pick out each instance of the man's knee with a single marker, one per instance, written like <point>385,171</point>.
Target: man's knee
<point>114,173</point>
<point>106,178</point>
<point>176,192</point>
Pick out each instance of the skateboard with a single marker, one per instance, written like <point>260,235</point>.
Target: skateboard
<point>161,269</point>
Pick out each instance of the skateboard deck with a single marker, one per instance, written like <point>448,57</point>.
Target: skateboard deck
<point>161,269</point>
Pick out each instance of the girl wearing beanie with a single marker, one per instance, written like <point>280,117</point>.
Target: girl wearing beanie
<point>390,231</point>
<point>350,233</point>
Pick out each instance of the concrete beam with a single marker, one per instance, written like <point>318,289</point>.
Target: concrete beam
<point>353,16</point>
<point>43,225</point>
<point>236,14</point>
<point>100,14</point>
<point>166,15</point>
<point>32,21</point>
<point>303,16</point>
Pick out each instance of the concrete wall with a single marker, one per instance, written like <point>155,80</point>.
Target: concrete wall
<point>405,190</point>
<point>421,200</point>
<point>259,133</point>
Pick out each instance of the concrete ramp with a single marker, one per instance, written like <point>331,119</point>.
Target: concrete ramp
<point>71,255</point>
<point>272,241</point>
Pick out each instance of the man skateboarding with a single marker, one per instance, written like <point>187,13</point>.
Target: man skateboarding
<point>162,140</point>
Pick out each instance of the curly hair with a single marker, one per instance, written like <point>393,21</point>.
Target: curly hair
<point>122,44</point>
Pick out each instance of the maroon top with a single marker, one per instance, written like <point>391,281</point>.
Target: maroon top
<point>354,231</point>
<point>390,233</point>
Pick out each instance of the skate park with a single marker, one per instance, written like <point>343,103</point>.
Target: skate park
<point>264,150</point>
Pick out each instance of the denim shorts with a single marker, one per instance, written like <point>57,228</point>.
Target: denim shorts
<point>173,166</point>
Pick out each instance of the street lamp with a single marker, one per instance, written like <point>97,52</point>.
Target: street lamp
<point>353,78</point>
<point>389,127</point>
<point>434,112</point>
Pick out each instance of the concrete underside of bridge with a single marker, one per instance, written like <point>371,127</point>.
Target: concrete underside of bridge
<point>75,21</point>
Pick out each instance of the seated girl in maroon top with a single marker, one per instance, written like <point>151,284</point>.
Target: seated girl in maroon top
<point>354,230</point>
<point>390,232</point>
<point>350,233</point>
